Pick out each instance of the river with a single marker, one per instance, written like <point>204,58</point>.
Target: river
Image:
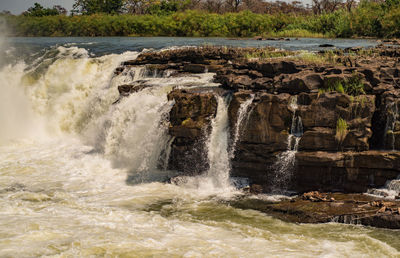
<point>80,177</point>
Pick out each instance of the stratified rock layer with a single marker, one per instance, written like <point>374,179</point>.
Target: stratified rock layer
<point>343,208</point>
<point>348,105</point>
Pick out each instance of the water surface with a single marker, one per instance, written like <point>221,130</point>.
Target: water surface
<point>66,154</point>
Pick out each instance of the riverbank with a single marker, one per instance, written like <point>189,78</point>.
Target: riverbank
<point>367,20</point>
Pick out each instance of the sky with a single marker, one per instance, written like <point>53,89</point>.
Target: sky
<point>18,6</point>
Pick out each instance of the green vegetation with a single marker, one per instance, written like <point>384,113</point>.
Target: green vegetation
<point>192,18</point>
<point>328,57</point>
<point>39,11</point>
<point>341,130</point>
<point>336,86</point>
<point>189,23</point>
<point>98,6</point>
<point>352,86</point>
<point>294,33</point>
<point>263,53</point>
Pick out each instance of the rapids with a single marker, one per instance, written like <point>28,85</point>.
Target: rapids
<point>82,177</point>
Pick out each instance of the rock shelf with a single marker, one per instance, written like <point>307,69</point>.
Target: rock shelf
<point>348,101</point>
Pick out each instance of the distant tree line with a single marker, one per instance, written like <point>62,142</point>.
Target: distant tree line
<point>226,18</point>
<point>39,11</point>
<point>166,7</point>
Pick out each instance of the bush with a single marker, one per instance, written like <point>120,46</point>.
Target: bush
<point>391,23</point>
<point>354,85</point>
<point>368,19</point>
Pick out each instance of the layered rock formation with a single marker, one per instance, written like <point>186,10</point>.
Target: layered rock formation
<point>363,92</point>
<point>314,207</point>
<point>348,106</point>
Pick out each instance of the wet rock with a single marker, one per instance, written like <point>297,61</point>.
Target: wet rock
<point>318,138</point>
<point>333,71</point>
<point>213,68</point>
<point>256,189</point>
<point>345,171</point>
<point>326,45</point>
<point>127,89</point>
<point>316,207</point>
<point>190,119</point>
<point>316,196</point>
<point>195,68</point>
<point>323,162</point>
<point>301,82</point>
<point>119,70</point>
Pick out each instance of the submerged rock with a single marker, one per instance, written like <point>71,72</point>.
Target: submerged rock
<point>326,45</point>
<point>318,207</point>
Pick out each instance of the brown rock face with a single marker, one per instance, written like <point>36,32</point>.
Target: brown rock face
<point>315,207</point>
<point>301,82</point>
<point>321,116</point>
<point>190,120</point>
<point>349,112</point>
<point>347,171</point>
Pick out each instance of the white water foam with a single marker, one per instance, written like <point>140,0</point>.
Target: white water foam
<point>217,146</point>
<point>243,115</point>
<point>74,94</point>
<point>393,117</point>
<point>216,180</point>
<point>391,190</point>
<point>60,198</point>
<point>283,168</point>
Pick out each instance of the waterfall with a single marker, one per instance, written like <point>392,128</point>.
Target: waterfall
<point>283,167</point>
<point>393,117</point>
<point>133,133</point>
<point>242,117</point>
<point>391,190</point>
<point>217,146</point>
<point>216,179</point>
<point>75,95</point>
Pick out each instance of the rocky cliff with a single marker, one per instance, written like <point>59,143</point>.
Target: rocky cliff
<point>348,105</point>
<point>336,112</point>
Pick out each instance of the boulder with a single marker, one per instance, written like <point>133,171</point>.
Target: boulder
<point>194,68</point>
<point>301,82</point>
<point>326,45</point>
<point>318,138</point>
<point>347,171</point>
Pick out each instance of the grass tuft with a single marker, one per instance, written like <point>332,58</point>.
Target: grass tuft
<point>341,130</point>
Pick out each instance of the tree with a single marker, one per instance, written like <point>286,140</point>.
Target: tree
<point>98,6</point>
<point>61,10</point>
<point>320,6</point>
<point>135,6</point>
<point>5,12</point>
<point>233,5</point>
<point>39,11</point>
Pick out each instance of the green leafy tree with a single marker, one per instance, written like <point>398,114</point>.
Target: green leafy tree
<point>39,11</point>
<point>97,6</point>
<point>167,7</point>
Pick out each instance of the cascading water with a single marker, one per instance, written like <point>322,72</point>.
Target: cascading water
<point>75,94</point>
<point>243,115</point>
<point>216,179</point>
<point>217,145</point>
<point>65,194</point>
<point>283,168</point>
<point>393,118</point>
<point>391,190</point>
